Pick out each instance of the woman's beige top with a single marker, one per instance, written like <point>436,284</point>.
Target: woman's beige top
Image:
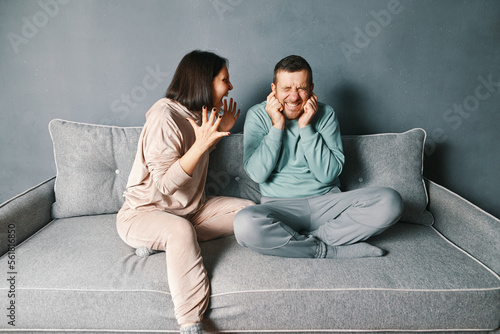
<point>157,180</point>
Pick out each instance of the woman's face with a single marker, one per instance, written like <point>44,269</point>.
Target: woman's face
<point>220,87</point>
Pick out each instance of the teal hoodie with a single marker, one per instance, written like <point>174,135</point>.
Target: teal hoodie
<point>293,162</point>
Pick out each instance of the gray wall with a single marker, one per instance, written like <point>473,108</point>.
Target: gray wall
<point>384,65</point>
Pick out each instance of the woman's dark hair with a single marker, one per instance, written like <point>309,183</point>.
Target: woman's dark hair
<point>293,63</point>
<point>192,82</point>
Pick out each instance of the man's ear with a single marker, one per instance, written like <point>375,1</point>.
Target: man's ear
<point>273,87</point>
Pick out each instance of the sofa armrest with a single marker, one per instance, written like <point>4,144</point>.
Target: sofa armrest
<point>26,213</point>
<point>467,226</point>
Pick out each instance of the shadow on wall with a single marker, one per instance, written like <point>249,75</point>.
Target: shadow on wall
<point>257,94</point>
<point>351,110</point>
<point>435,164</point>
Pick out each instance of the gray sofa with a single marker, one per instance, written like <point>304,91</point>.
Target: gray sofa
<point>66,269</point>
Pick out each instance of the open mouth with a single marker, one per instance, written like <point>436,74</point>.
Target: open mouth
<point>220,103</point>
<point>292,106</point>
<point>222,99</point>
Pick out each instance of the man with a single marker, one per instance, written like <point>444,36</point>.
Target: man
<point>293,149</point>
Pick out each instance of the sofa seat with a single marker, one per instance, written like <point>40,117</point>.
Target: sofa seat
<point>80,267</point>
<point>75,275</point>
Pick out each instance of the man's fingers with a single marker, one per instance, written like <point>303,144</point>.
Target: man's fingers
<point>315,99</point>
<point>274,103</point>
<point>270,96</point>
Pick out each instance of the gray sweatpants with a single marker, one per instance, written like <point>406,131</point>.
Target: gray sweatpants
<point>300,227</point>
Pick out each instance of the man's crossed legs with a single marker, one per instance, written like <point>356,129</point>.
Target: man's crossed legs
<point>326,226</point>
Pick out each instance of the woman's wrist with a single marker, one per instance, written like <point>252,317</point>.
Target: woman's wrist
<point>191,158</point>
<point>199,148</point>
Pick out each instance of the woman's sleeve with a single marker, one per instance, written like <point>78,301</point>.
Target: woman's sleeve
<point>162,147</point>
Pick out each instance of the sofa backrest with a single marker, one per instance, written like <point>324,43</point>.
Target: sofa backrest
<point>93,163</point>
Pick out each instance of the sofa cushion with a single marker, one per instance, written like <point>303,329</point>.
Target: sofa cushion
<point>226,176</point>
<point>392,160</point>
<point>93,163</point>
<point>77,273</point>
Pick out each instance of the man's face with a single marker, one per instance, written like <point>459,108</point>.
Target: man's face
<point>292,91</point>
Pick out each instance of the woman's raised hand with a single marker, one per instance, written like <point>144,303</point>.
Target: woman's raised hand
<point>210,130</point>
<point>230,116</point>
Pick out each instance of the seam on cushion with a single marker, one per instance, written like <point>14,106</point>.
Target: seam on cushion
<point>98,125</point>
<point>354,289</point>
<point>31,236</point>
<point>271,290</point>
<point>51,330</point>
<point>26,191</point>
<point>426,191</point>
<point>353,330</point>
<point>115,166</point>
<point>463,199</point>
<point>91,290</point>
<point>254,331</point>
<point>55,162</point>
<point>383,134</point>
<point>466,253</point>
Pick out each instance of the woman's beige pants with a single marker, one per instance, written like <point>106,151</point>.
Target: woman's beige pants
<point>179,237</point>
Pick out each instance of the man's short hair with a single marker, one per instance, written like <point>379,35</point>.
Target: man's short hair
<point>293,63</point>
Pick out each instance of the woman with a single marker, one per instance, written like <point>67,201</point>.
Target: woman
<point>165,206</point>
